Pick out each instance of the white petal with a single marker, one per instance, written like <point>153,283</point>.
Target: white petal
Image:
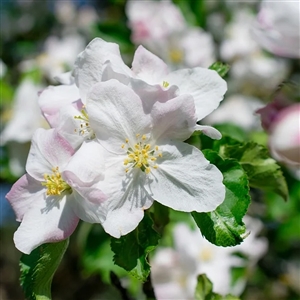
<point>206,86</point>
<point>48,150</point>
<point>90,63</point>
<point>53,98</point>
<point>87,205</point>
<point>86,166</point>
<point>174,119</point>
<point>116,113</point>
<point>209,131</point>
<point>45,222</point>
<point>25,191</point>
<point>185,181</point>
<point>148,67</point>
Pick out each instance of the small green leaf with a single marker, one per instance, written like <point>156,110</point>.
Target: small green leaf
<point>263,171</point>
<point>131,251</point>
<point>221,68</point>
<point>38,268</point>
<point>204,290</point>
<point>224,226</point>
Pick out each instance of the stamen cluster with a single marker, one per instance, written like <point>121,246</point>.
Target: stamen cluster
<point>141,155</point>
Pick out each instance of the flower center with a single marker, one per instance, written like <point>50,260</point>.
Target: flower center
<point>176,56</point>
<point>55,184</point>
<point>165,84</point>
<point>141,155</point>
<point>84,128</point>
<point>206,254</point>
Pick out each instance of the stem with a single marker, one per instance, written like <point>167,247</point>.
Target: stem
<point>116,282</point>
<point>148,289</point>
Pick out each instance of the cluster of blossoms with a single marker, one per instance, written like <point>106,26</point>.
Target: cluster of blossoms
<point>116,144</point>
<point>175,270</point>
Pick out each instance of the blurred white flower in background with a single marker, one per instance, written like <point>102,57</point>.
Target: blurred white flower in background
<point>171,38</point>
<point>251,69</point>
<point>3,69</point>
<point>25,118</point>
<point>277,27</point>
<point>174,271</point>
<point>239,110</point>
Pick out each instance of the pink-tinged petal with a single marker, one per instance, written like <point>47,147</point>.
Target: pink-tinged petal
<point>48,150</point>
<point>150,94</point>
<point>87,204</point>
<point>185,180</point>
<point>46,221</point>
<point>53,98</point>
<point>110,73</point>
<point>87,165</point>
<point>206,86</point>
<point>148,67</point>
<point>24,192</point>
<point>116,114</point>
<point>69,126</point>
<point>174,119</point>
<point>89,64</point>
<point>209,131</point>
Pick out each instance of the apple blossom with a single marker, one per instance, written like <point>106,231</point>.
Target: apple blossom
<point>171,38</point>
<point>174,271</point>
<point>18,131</point>
<point>50,198</point>
<point>277,27</point>
<point>101,61</point>
<point>140,137</point>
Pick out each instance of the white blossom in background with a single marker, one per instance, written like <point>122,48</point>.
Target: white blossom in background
<point>250,66</point>
<point>277,27</point>
<point>3,68</point>
<point>25,118</point>
<point>59,54</point>
<point>237,109</point>
<point>174,271</point>
<point>171,38</point>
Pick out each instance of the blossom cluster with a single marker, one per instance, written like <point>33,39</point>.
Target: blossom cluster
<point>116,145</point>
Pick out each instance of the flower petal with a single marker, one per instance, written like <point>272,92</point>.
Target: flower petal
<point>116,113</point>
<point>25,191</point>
<point>48,150</point>
<point>185,180</point>
<point>90,63</point>
<point>53,98</point>
<point>209,131</point>
<point>174,119</point>
<point>42,223</point>
<point>148,67</point>
<point>206,86</point>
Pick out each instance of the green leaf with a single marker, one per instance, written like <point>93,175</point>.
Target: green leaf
<point>221,68</point>
<point>131,251</point>
<point>204,290</point>
<point>38,268</point>
<point>263,171</point>
<point>224,226</point>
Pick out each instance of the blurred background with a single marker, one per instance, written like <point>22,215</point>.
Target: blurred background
<point>260,41</point>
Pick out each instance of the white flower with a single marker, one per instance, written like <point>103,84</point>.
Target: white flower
<point>245,118</point>
<point>26,118</point>
<point>140,138</point>
<point>50,199</point>
<point>102,61</point>
<point>171,38</point>
<point>174,271</point>
<point>277,27</point>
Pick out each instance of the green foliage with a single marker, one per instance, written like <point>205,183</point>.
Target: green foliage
<point>221,68</point>
<point>263,171</point>
<point>224,226</point>
<point>38,268</point>
<point>204,290</point>
<point>131,251</point>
